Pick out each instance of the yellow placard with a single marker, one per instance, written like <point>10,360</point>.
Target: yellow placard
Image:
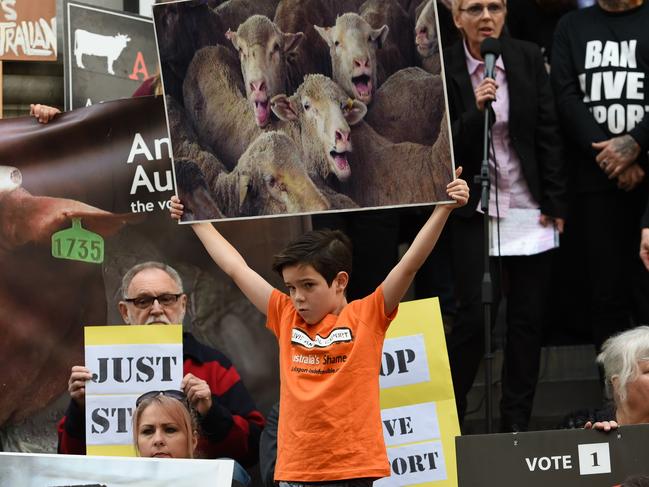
<point>111,450</point>
<point>422,319</point>
<point>135,337</point>
<point>133,334</point>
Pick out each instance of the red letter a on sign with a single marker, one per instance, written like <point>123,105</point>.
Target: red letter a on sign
<point>139,66</point>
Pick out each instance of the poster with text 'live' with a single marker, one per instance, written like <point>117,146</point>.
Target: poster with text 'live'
<point>417,400</point>
<point>125,362</point>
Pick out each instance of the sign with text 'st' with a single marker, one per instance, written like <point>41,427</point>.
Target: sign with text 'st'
<point>108,54</point>
<point>28,30</point>
<point>125,362</point>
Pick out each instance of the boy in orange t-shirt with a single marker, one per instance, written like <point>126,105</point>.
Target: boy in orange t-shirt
<point>330,350</point>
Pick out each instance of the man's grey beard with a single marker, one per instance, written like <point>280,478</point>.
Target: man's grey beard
<point>163,320</point>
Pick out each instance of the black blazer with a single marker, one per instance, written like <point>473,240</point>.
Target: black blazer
<point>533,124</point>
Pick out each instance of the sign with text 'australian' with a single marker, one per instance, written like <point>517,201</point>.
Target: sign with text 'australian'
<point>28,30</point>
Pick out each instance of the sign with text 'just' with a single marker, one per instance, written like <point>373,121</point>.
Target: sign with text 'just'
<point>418,406</point>
<point>125,362</point>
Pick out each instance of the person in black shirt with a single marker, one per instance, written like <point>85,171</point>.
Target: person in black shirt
<point>600,60</point>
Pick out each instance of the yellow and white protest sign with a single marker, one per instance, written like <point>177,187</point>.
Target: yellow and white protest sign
<point>125,362</point>
<point>417,400</point>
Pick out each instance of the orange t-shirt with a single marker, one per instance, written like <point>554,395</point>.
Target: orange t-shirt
<point>329,415</point>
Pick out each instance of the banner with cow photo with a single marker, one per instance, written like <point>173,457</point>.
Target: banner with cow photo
<point>82,200</point>
<point>276,111</point>
<point>108,54</point>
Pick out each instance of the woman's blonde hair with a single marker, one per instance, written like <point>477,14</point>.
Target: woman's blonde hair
<point>178,412</point>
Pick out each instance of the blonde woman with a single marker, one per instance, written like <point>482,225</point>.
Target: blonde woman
<point>164,426</point>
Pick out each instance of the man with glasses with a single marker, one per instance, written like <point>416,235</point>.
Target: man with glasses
<point>230,424</point>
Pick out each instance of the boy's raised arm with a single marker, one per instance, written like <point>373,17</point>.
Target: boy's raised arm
<point>255,287</point>
<point>400,277</point>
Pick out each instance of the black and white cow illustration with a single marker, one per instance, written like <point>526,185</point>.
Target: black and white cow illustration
<point>93,44</point>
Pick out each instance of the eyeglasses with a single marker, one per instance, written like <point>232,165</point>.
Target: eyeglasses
<point>180,395</point>
<point>477,9</point>
<point>144,302</point>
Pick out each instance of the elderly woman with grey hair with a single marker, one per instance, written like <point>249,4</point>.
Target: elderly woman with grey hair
<point>625,359</point>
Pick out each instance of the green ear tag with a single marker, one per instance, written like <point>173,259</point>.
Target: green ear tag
<point>76,243</point>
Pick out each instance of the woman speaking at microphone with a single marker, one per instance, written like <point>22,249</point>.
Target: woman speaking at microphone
<point>527,185</point>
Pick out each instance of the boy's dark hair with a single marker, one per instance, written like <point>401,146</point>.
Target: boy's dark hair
<point>328,251</point>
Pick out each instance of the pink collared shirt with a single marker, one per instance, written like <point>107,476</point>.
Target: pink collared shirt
<point>513,191</point>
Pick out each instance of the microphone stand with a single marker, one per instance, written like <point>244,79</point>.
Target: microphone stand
<point>487,284</point>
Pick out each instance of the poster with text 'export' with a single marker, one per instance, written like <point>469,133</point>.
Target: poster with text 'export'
<point>417,400</point>
<point>125,362</point>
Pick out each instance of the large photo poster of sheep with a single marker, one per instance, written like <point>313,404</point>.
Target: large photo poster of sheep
<point>108,166</point>
<point>303,106</point>
<point>109,54</point>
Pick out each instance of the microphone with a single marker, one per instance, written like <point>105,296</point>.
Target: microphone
<point>490,50</point>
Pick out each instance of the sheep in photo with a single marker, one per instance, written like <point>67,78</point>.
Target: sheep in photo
<point>320,114</point>
<point>233,13</point>
<point>426,38</point>
<point>263,49</point>
<point>215,104</point>
<point>269,179</point>
<point>194,192</point>
<point>397,52</point>
<point>408,107</point>
<point>352,46</point>
<point>372,172</point>
<point>312,56</point>
<point>403,173</point>
<point>181,29</point>
<point>185,144</point>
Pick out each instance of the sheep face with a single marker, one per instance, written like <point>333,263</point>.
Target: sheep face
<point>262,51</point>
<point>352,45</point>
<point>273,174</point>
<point>425,38</point>
<point>324,112</point>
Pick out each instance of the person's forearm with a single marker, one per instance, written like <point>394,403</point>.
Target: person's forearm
<point>400,277</point>
<point>255,288</point>
<point>425,240</point>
